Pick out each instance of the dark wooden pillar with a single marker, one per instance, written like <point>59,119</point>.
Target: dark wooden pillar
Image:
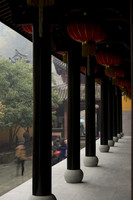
<point>114,102</point>
<point>131,37</point>
<point>121,123</point>
<point>42,111</point>
<point>90,159</point>
<point>73,173</point>
<point>65,119</point>
<point>99,120</point>
<point>110,113</point>
<point>104,147</point>
<point>118,113</point>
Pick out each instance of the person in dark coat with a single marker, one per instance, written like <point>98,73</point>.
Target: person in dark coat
<point>82,130</point>
<point>26,136</point>
<point>56,144</point>
<point>54,158</point>
<point>63,149</point>
<point>20,156</point>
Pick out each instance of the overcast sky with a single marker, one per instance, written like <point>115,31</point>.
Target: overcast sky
<point>11,40</point>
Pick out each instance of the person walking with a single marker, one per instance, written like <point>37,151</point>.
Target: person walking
<point>20,156</point>
<point>63,149</point>
<point>54,158</point>
<point>17,141</point>
<point>56,144</point>
<point>27,138</point>
<point>82,130</point>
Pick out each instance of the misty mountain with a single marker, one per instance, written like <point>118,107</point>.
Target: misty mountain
<point>10,40</point>
<point>12,43</point>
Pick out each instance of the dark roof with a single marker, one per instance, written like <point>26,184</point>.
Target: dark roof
<point>16,12</point>
<point>114,13</point>
<point>7,18</point>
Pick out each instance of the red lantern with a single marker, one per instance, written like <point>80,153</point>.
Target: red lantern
<point>82,69</point>
<point>96,69</point>
<point>121,82</point>
<point>27,28</point>
<point>114,72</point>
<point>129,90</point>
<point>107,58</point>
<point>82,31</point>
<point>122,89</point>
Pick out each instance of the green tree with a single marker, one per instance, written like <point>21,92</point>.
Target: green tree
<point>2,110</point>
<point>16,96</point>
<point>16,93</point>
<point>55,99</point>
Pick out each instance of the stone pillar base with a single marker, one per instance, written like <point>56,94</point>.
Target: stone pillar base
<point>90,161</point>
<point>122,134</point>
<point>73,176</point>
<point>49,197</point>
<point>104,148</point>
<point>115,139</point>
<point>111,143</point>
<point>119,135</point>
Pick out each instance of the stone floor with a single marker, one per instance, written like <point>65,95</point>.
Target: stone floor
<point>8,178</point>
<point>111,180</point>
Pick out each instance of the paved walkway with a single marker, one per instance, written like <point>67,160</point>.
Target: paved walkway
<point>111,180</point>
<point>8,178</point>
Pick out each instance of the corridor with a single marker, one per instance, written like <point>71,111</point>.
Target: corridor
<point>111,180</point>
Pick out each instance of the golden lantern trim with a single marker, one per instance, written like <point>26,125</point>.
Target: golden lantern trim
<point>88,49</point>
<point>64,56</point>
<point>114,81</point>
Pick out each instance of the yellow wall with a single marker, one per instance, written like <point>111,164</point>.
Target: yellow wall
<point>4,135</point>
<point>126,104</point>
